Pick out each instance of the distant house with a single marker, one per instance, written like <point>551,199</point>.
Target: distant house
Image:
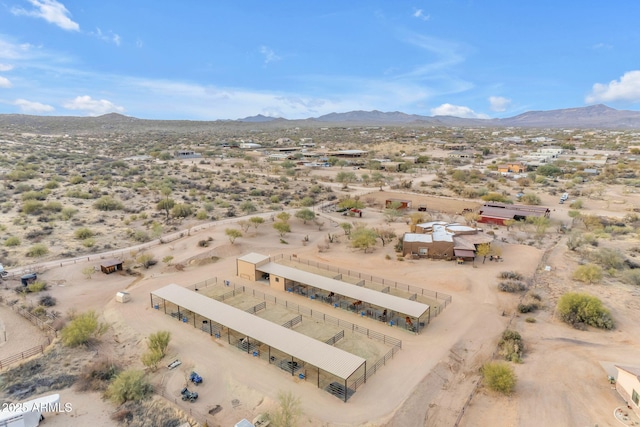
<point>518,167</point>
<point>186,154</point>
<point>498,213</point>
<point>441,240</point>
<point>628,386</point>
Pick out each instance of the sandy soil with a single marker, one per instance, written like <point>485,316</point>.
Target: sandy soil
<point>426,383</point>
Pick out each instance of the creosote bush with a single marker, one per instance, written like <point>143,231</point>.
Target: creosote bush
<point>578,309</point>
<point>499,376</point>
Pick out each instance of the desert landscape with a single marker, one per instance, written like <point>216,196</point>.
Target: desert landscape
<point>179,204</point>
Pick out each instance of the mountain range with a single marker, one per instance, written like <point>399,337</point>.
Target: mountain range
<point>591,117</point>
<point>595,116</point>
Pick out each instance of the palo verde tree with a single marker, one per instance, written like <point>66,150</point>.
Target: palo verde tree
<point>232,234</point>
<point>305,215</point>
<point>363,238</point>
<point>82,329</point>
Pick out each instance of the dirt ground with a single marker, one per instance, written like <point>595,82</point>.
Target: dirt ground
<point>560,382</point>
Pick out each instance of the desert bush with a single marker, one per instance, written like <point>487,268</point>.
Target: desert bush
<point>83,233</point>
<point>530,320</point>
<point>151,359</point>
<point>512,275</point>
<point>510,346</point>
<point>77,194</point>
<point>147,260</point>
<point>512,286</point>
<point>530,199</point>
<point>140,236</point>
<point>37,250</point>
<point>47,301</point>
<point>632,277</point>
<point>288,411</point>
<point>129,385</point>
<point>608,258</point>
<point>53,206</point>
<point>36,286</point>
<point>96,376</point>
<point>588,273</point>
<point>527,307</point>
<point>32,207</point>
<point>108,203</point>
<point>12,241</point>
<point>82,329</point>
<point>203,243</point>
<point>159,341</point>
<point>499,377</point>
<point>496,197</point>
<point>577,308</point>
<point>67,213</point>
<point>576,204</point>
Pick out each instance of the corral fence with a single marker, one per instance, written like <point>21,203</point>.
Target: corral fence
<point>42,324</point>
<point>438,296</point>
<point>39,349</point>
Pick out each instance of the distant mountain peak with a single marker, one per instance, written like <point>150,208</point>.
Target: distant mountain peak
<point>258,119</point>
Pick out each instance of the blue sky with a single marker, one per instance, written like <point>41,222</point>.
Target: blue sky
<point>209,60</point>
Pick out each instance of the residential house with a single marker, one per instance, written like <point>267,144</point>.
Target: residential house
<point>628,386</point>
<point>497,213</point>
<point>441,240</point>
<point>515,167</point>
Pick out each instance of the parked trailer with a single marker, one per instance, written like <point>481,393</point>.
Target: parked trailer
<point>29,413</point>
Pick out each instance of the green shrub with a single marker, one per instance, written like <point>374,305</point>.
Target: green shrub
<point>96,376</point>
<point>36,286</point>
<point>577,308</point>
<point>499,376</point>
<point>588,273</point>
<point>159,342</point>
<point>82,329</point>
<point>129,385</point>
<point>83,233</point>
<point>89,243</point>
<point>530,320</point>
<point>37,250</point>
<point>608,258</point>
<point>12,241</point>
<point>108,203</point>
<point>32,207</point>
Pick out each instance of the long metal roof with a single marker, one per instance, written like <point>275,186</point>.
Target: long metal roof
<point>358,293</point>
<point>330,359</point>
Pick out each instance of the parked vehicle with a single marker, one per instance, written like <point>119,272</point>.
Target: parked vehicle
<point>3,272</point>
<point>191,396</point>
<point>174,364</point>
<point>195,378</point>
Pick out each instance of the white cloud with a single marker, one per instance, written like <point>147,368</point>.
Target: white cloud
<point>499,103</point>
<point>5,82</point>
<point>51,11</point>
<point>32,107</point>
<point>92,107</point>
<point>419,13</point>
<point>457,111</point>
<point>269,55</point>
<point>602,46</point>
<point>14,51</point>
<point>110,37</point>
<point>625,89</point>
<point>6,67</point>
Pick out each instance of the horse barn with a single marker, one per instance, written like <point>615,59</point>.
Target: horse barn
<point>498,213</point>
<point>391,309</point>
<point>332,369</point>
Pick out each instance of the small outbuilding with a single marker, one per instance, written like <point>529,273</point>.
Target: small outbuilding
<point>111,266</point>
<point>628,386</point>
